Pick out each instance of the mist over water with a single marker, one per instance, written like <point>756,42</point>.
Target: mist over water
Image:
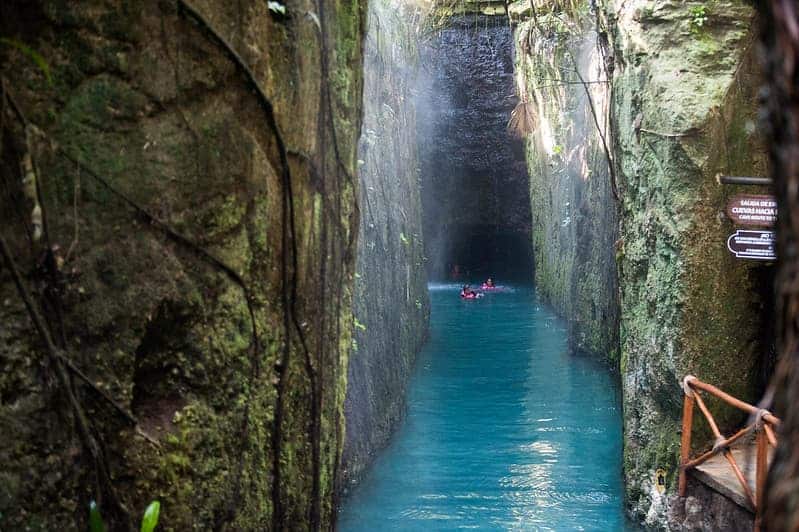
<point>475,197</point>
<point>505,430</point>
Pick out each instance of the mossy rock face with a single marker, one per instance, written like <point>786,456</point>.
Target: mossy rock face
<point>681,109</point>
<point>391,304</point>
<point>575,224</point>
<point>146,100</point>
<point>684,110</point>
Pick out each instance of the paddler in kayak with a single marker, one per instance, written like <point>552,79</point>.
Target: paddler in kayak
<point>489,284</point>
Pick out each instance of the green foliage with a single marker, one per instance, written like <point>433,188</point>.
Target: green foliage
<point>148,521</point>
<point>95,519</point>
<point>698,18</point>
<point>32,54</point>
<point>359,325</point>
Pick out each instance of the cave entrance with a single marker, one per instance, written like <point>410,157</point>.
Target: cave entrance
<point>475,188</point>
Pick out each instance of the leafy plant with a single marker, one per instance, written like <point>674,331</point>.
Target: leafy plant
<point>95,519</point>
<point>698,18</point>
<point>148,521</point>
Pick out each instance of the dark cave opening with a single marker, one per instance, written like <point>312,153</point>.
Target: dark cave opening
<point>475,188</point>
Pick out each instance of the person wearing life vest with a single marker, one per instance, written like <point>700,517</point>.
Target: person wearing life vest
<point>489,283</point>
<point>468,293</point>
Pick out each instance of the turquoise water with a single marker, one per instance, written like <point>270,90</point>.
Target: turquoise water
<point>505,429</point>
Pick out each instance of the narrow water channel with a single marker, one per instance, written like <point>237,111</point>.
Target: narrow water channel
<point>505,429</point>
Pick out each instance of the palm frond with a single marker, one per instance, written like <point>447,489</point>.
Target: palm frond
<point>523,119</point>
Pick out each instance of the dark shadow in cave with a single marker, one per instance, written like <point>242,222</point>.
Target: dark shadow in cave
<point>475,188</point>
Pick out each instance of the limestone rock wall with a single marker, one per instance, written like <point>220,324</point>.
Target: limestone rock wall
<point>680,109</point>
<point>684,108</point>
<point>574,211</point>
<point>208,291</point>
<point>391,306</point>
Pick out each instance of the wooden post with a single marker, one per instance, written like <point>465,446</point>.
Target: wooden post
<point>740,476</point>
<point>772,438</point>
<point>685,441</point>
<point>761,471</point>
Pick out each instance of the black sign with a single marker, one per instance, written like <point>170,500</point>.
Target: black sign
<point>753,209</point>
<point>753,244</point>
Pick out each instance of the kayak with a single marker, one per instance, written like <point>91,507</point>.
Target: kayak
<point>475,295</point>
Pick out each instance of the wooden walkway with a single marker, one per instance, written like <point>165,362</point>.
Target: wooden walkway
<point>717,474</point>
<point>736,466</point>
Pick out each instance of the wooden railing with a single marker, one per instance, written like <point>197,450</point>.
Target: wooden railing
<point>763,426</point>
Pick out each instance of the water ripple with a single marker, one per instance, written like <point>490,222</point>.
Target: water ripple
<point>505,430</point>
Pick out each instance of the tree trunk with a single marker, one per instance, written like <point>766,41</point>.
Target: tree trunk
<point>780,36</point>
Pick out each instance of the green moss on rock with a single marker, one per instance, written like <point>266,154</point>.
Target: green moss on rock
<point>574,221</point>
<point>153,106</point>
<point>682,103</point>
